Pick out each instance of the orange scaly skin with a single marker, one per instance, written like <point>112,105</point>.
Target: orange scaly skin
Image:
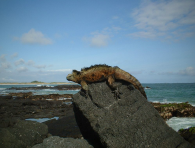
<point>103,72</point>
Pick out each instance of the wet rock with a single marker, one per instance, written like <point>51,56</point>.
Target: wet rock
<point>8,122</point>
<point>23,134</point>
<point>57,142</point>
<point>174,110</point>
<point>68,87</point>
<point>130,121</point>
<point>21,95</point>
<point>23,109</point>
<point>64,127</point>
<point>188,134</point>
<point>13,109</point>
<point>5,97</point>
<point>58,87</point>
<point>52,97</point>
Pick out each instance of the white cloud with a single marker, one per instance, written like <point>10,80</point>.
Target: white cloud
<point>5,65</point>
<point>34,37</point>
<point>60,70</point>
<point>188,71</point>
<point>57,36</point>
<point>116,28</point>
<point>22,69</point>
<point>98,40</point>
<point>7,80</point>
<point>39,66</point>
<point>2,58</point>
<point>14,55</point>
<point>115,17</point>
<point>163,16</point>
<point>19,62</point>
<point>32,63</point>
<point>143,34</point>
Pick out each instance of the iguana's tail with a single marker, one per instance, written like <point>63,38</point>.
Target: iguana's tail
<point>123,75</point>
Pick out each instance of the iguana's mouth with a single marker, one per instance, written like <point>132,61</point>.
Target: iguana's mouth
<point>68,77</point>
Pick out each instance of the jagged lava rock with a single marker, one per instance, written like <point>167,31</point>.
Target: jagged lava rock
<point>23,134</point>
<point>130,121</point>
<point>58,142</point>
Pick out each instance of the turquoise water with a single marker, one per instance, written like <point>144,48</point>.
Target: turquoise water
<point>171,92</point>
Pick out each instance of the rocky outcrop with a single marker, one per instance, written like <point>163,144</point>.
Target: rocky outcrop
<point>64,127</point>
<point>58,87</point>
<point>130,121</point>
<point>170,110</point>
<point>29,95</point>
<point>36,107</point>
<point>23,134</point>
<point>58,142</point>
<point>188,134</point>
<point>32,108</point>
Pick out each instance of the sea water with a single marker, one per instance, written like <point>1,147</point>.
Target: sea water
<point>171,92</point>
<point>158,92</point>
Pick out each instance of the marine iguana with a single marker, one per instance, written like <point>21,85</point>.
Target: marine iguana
<point>104,72</point>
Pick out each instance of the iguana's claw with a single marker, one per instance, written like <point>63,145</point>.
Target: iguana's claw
<point>117,93</point>
<point>85,94</point>
<point>130,87</point>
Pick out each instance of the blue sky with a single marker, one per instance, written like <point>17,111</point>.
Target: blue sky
<point>45,40</point>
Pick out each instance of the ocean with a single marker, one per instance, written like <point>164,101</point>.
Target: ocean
<point>171,92</point>
<point>157,92</point>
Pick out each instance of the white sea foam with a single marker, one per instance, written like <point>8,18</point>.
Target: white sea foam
<point>40,120</point>
<point>166,102</point>
<point>49,90</point>
<point>74,90</point>
<point>155,102</point>
<point>64,98</point>
<point>181,122</point>
<point>67,103</point>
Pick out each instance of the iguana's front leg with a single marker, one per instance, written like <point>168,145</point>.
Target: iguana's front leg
<point>84,86</point>
<point>111,81</point>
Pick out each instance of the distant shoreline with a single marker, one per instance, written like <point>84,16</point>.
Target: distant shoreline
<point>54,83</point>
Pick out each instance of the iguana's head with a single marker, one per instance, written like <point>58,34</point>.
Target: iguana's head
<point>73,76</point>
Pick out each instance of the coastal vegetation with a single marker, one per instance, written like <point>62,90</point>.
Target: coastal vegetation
<point>179,105</point>
<point>36,81</point>
<point>192,130</point>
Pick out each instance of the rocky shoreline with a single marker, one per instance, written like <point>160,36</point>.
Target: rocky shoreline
<point>17,107</point>
<point>170,110</point>
<point>58,87</point>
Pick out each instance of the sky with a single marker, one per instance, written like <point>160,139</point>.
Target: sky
<point>45,40</point>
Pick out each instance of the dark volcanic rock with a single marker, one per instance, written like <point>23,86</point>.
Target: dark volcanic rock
<point>130,121</point>
<point>57,142</point>
<point>23,109</point>
<point>23,134</point>
<point>65,126</point>
<point>188,134</point>
<point>68,87</point>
